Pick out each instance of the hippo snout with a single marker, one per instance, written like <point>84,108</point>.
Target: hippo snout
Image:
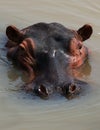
<point>46,90</point>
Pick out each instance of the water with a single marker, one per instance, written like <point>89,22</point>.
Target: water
<point>21,111</point>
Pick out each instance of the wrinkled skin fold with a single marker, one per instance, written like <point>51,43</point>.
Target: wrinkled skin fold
<point>49,52</point>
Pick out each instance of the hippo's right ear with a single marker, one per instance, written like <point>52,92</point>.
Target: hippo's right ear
<point>85,32</point>
<point>14,34</point>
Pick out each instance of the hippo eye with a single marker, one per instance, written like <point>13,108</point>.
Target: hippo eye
<point>22,47</point>
<point>79,46</point>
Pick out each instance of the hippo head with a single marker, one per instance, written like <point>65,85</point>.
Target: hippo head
<point>49,52</point>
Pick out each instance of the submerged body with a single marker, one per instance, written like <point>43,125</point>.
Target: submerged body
<point>49,52</point>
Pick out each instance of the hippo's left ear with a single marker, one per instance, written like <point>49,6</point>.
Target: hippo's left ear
<point>14,34</point>
<point>85,31</point>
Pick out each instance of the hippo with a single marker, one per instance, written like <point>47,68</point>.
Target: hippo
<point>49,52</point>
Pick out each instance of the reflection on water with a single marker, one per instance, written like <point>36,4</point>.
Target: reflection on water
<point>21,111</point>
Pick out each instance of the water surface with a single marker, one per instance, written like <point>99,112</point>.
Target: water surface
<point>20,111</point>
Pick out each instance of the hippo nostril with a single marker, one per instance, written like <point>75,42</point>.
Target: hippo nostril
<point>72,88</point>
<point>42,91</point>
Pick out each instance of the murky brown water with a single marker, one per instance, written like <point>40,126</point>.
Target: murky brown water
<point>20,111</point>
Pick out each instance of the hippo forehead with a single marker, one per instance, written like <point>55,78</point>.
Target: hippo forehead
<point>44,29</point>
<point>51,35</point>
